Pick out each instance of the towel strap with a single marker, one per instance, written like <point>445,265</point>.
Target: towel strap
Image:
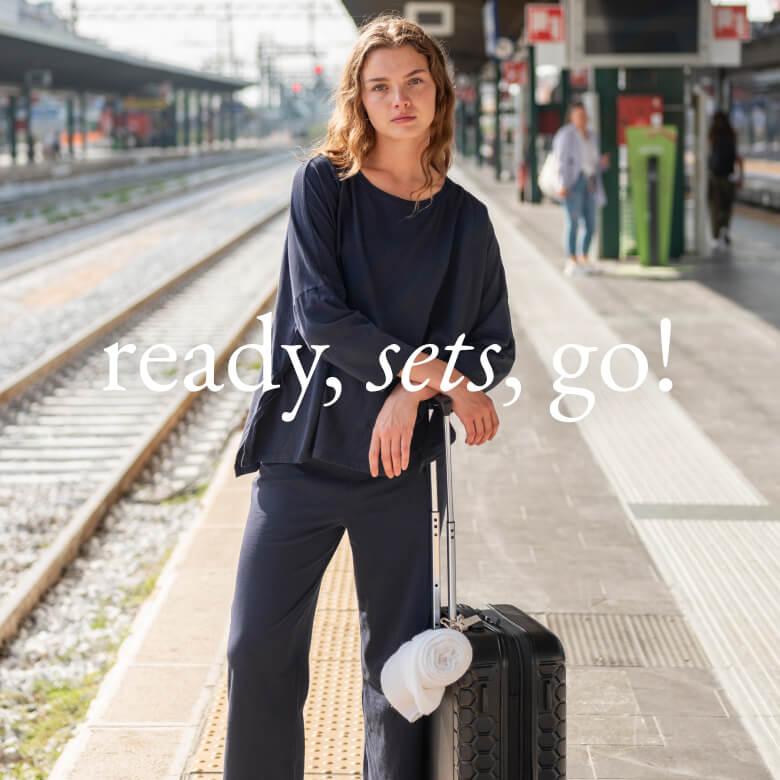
<point>461,622</point>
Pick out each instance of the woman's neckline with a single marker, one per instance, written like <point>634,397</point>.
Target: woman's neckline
<point>397,198</point>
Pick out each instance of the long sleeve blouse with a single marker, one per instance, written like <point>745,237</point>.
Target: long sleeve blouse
<point>360,273</point>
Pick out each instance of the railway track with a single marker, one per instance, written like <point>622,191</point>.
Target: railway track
<point>192,181</point>
<point>60,425</point>
<point>19,196</point>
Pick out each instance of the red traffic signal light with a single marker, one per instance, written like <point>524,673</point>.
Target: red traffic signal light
<point>296,87</point>
<point>318,69</point>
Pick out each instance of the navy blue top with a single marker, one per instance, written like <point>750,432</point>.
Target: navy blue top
<point>358,273</point>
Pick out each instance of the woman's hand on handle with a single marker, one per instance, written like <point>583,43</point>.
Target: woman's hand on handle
<point>477,413</point>
<point>392,435</point>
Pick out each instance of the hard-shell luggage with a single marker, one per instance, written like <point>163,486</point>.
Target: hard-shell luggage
<point>505,718</point>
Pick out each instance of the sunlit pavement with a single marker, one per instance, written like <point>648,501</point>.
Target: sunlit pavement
<point>645,535</point>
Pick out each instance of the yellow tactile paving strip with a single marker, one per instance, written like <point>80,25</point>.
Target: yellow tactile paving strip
<point>333,713</point>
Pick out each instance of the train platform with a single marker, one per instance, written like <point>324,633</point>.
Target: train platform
<point>101,158</point>
<point>645,535</point>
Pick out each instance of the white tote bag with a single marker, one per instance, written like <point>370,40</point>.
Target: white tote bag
<point>550,176</point>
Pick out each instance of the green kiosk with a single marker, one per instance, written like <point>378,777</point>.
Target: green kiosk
<point>651,162</point>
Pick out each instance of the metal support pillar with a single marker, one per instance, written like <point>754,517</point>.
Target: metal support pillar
<point>565,93</point>
<point>186,117</point>
<point>477,124</point>
<point>198,118</point>
<point>536,193</point>
<point>606,85</point>
<point>83,122</point>
<point>12,127</point>
<point>69,123</point>
<point>28,125</point>
<point>497,134</point>
<point>232,117</point>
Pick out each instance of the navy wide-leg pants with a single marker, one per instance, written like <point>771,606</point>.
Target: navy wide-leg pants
<point>296,520</point>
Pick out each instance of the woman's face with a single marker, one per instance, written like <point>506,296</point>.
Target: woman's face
<point>395,83</point>
<point>579,118</point>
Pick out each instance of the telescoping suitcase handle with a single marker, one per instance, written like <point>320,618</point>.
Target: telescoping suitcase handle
<point>453,620</point>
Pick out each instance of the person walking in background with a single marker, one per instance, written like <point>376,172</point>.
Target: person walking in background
<point>721,184</point>
<point>577,150</point>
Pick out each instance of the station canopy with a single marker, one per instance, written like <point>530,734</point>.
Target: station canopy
<point>84,65</point>
<point>466,45</point>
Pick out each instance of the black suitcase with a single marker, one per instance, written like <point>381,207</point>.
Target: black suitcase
<point>505,718</point>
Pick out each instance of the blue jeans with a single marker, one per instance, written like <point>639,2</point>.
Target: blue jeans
<point>298,514</point>
<point>580,203</point>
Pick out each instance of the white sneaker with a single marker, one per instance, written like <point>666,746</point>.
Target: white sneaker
<point>592,268</point>
<point>570,267</point>
<point>579,269</point>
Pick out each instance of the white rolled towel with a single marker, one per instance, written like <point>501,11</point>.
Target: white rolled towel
<point>414,677</point>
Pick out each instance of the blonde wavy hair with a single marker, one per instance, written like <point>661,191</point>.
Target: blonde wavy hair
<point>350,135</point>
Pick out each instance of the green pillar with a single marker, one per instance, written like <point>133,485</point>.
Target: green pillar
<point>565,92</point>
<point>536,193</point>
<point>12,126</point>
<point>609,233</point>
<point>222,117</point>
<point>670,84</point>
<point>674,114</point>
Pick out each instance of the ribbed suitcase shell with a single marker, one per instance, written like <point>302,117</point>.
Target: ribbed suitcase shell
<point>505,718</point>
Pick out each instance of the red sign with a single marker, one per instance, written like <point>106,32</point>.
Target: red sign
<point>515,72</point>
<point>578,77</point>
<point>730,22</point>
<point>638,110</point>
<point>544,23</point>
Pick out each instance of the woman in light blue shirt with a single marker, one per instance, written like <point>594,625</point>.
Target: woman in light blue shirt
<point>576,148</point>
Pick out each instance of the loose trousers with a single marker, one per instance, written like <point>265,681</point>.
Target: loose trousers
<point>720,199</point>
<point>297,516</point>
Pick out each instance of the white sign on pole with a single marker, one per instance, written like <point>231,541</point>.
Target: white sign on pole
<point>545,28</point>
<point>436,18</point>
<point>730,26</point>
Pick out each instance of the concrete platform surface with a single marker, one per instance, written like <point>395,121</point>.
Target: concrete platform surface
<point>645,535</point>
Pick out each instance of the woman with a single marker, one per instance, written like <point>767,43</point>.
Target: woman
<point>365,266</point>
<point>721,187</point>
<point>582,192</point>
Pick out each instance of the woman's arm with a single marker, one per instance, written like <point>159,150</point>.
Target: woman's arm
<point>391,436</point>
<point>492,328</point>
<point>321,313</point>
<point>493,324</point>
